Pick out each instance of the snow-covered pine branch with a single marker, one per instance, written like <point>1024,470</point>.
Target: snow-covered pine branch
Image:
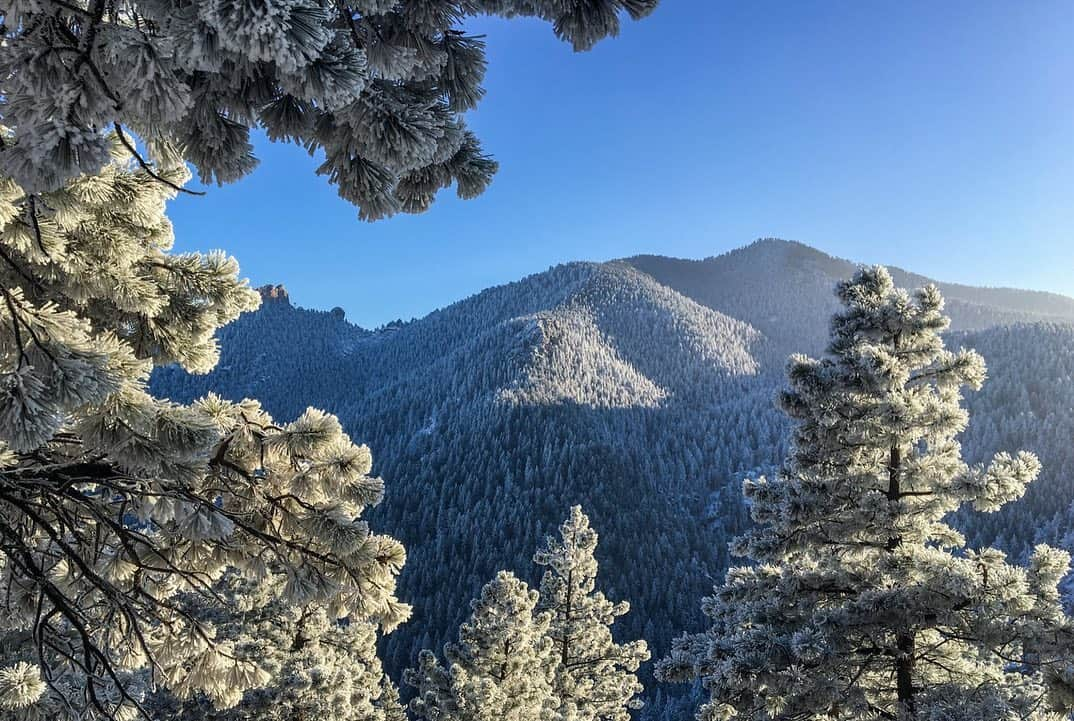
<point>317,667</point>
<point>114,503</point>
<point>378,86</point>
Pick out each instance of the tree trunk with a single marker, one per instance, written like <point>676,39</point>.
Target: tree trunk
<point>894,490</point>
<point>904,638</point>
<point>904,671</point>
<point>565,651</point>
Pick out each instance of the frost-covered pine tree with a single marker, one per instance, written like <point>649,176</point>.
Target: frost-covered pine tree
<point>317,668</point>
<point>114,503</point>
<point>389,704</point>
<point>595,677</point>
<point>501,668</point>
<point>861,602</point>
<point>378,86</point>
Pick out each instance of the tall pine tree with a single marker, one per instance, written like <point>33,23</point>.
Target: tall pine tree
<point>860,601</point>
<point>595,677</point>
<point>501,667</point>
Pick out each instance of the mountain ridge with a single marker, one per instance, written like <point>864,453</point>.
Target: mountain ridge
<point>761,253</point>
<point>904,277</point>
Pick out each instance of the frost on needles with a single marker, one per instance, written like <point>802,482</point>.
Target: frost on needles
<point>501,666</point>
<point>860,601</point>
<point>595,677</point>
<point>316,667</point>
<point>526,655</point>
<point>378,86</point>
<point>113,503</point>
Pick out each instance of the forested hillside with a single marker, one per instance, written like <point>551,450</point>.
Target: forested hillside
<point>640,389</point>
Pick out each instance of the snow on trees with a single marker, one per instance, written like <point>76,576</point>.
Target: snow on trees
<point>501,667</point>
<point>525,655</point>
<point>595,678</point>
<point>318,667</point>
<point>861,602</point>
<point>378,86</point>
<point>113,503</point>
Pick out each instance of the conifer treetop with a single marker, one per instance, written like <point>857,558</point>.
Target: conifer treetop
<point>595,677</point>
<point>876,460</point>
<point>501,666</point>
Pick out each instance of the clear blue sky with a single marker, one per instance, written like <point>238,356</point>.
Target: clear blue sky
<point>938,136</point>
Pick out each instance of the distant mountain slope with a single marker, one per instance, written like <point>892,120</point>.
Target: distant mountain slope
<point>490,417</point>
<point>1027,402</point>
<point>622,339</point>
<point>641,389</point>
<point>276,347</point>
<point>783,289</point>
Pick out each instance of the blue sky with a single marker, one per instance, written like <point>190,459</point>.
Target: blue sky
<point>934,136</point>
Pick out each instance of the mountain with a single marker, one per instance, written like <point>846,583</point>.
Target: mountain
<point>795,317</point>
<point>641,389</point>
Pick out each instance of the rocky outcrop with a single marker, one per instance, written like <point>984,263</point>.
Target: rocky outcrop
<point>274,294</point>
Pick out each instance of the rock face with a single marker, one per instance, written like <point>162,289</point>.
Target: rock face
<point>274,294</point>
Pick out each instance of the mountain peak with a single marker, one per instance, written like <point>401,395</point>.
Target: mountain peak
<point>787,252</point>
<point>781,243</point>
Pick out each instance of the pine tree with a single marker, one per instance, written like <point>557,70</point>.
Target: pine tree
<point>378,86</point>
<point>595,677</point>
<point>316,668</point>
<point>861,602</point>
<point>114,503</point>
<point>389,704</point>
<point>501,667</point>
